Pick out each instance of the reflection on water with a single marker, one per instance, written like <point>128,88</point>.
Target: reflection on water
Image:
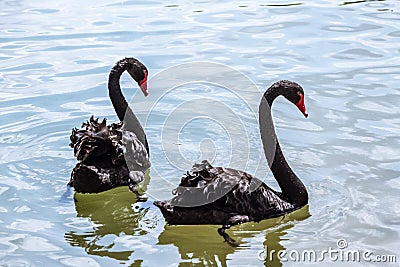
<point>112,215</point>
<point>358,2</point>
<point>116,218</point>
<point>201,245</point>
<point>119,223</point>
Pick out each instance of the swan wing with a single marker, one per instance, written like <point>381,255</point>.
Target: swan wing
<point>228,190</point>
<point>95,140</point>
<point>91,140</point>
<point>130,149</point>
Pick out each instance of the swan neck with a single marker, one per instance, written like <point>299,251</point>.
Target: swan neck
<point>293,190</point>
<point>121,107</point>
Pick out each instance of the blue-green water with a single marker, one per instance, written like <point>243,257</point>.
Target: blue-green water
<point>54,63</point>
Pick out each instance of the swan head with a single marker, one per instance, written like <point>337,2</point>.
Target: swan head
<point>293,92</point>
<point>139,73</point>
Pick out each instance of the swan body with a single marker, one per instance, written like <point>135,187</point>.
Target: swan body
<point>245,197</point>
<point>224,196</point>
<point>116,154</point>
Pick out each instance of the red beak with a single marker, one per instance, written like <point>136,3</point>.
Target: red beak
<point>300,105</point>
<point>143,86</point>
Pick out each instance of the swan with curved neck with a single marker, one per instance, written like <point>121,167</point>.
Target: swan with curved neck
<point>231,196</point>
<point>139,73</point>
<point>105,152</point>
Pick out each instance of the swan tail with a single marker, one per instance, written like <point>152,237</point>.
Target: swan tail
<point>166,209</point>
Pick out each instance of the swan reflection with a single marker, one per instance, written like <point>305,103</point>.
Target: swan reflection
<point>124,230</point>
<point>201,245</point>
<point>117,220</point>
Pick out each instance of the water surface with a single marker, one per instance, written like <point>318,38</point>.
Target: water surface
<point>54,63</point>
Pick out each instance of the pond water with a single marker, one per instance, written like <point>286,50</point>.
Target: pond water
<point>54,64</point>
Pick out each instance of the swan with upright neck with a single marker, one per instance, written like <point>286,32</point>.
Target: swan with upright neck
<point>117,154</point>
<point>224,196</point>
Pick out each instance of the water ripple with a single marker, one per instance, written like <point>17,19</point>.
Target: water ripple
<point>54,64</point>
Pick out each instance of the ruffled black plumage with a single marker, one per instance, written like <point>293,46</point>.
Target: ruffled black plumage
<point>217,195</point>
<point>105,152</point>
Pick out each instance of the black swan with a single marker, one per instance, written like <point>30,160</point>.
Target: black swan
<point>105,152</point>
<point>217,195</point>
